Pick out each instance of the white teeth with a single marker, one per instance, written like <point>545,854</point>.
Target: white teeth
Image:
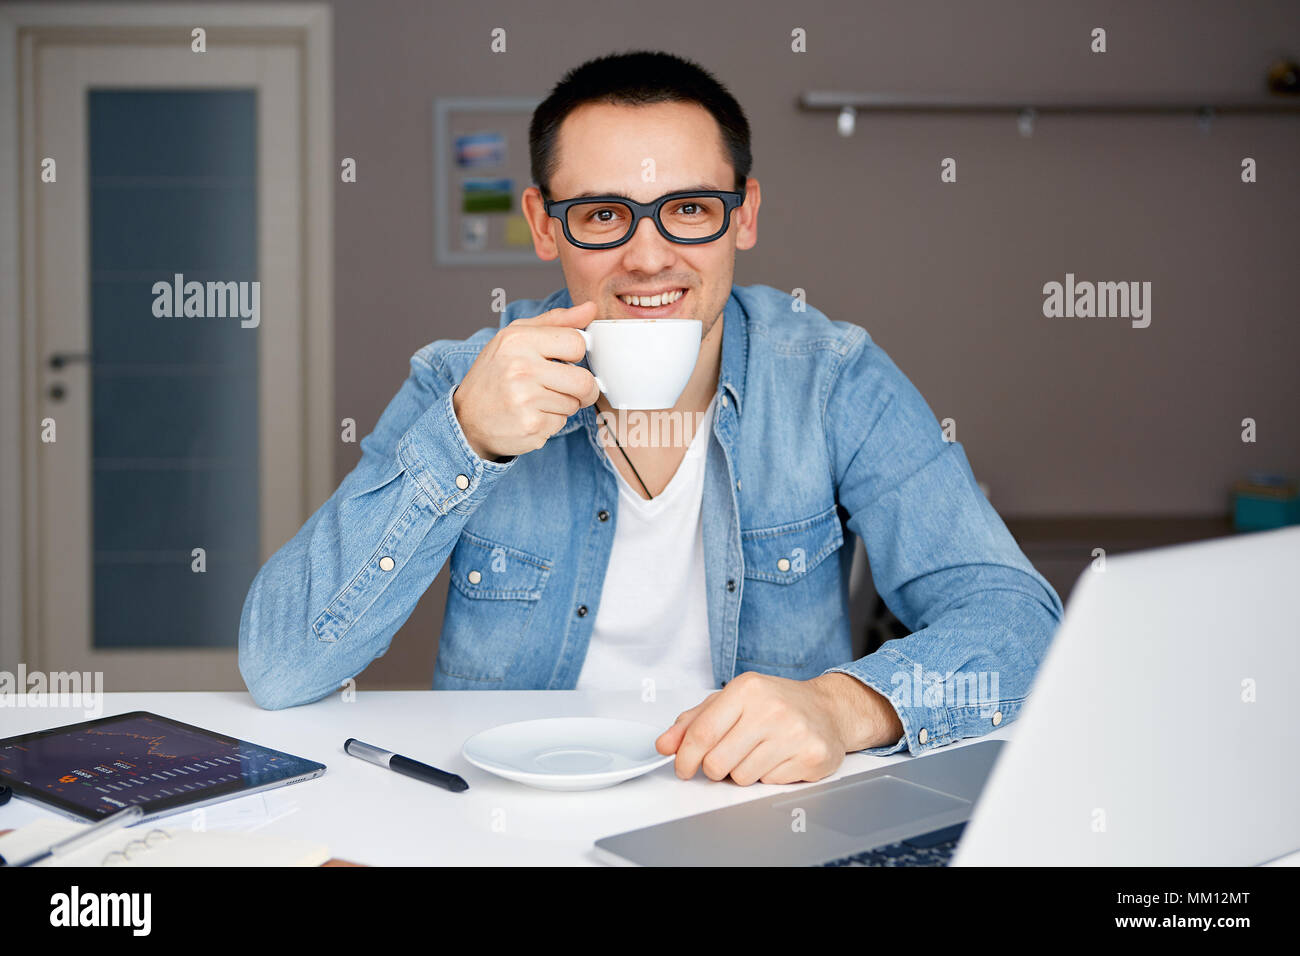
<point>651,301</point>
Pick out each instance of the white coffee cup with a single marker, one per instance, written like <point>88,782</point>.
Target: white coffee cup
<point>642,363</point>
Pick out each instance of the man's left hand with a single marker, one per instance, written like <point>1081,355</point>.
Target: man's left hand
<point>776,730</point>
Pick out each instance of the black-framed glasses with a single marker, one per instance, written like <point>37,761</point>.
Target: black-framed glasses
<point>602,222</point>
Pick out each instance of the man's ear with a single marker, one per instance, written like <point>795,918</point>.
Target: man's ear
<point>539,224</point>
<point>746,216</point>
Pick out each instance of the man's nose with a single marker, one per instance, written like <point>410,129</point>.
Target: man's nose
<point>647,251</point>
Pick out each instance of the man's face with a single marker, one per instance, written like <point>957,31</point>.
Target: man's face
<point>614,150</point>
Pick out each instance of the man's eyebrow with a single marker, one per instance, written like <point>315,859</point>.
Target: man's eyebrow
<point>705,187</point>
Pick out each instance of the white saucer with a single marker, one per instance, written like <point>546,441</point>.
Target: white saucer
<point>567,753</point>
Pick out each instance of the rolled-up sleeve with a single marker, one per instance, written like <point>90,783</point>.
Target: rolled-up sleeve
<point>980,616</point>
<point>329,601</point>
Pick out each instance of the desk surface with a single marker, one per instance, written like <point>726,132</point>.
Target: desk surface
<point>370,815</point>
<point>366,814</point>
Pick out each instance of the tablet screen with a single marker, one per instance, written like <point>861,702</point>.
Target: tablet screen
<point>101,766</point>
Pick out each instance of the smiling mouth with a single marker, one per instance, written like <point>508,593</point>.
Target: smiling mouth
<point>659,303</point>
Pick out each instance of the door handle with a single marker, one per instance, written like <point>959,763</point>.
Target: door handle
<point>60,359</point>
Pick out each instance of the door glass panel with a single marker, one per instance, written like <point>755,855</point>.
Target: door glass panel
<point>174,400</point>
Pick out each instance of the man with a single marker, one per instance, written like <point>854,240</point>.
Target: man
<point>580,557</point>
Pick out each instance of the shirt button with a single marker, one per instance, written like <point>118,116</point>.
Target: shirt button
<point>737,484</point>
<point>724,401</point>
<point>462,482</point>
<point>922,736</point>
<point>997,718</point>
<point>602,514</point>
<point>731,585</point>
<point>582,610</point>
<point>386,563</point>
<point>474,577</point>
<point>783,564</point>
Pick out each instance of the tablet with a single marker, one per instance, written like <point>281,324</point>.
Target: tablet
<point>90,770</point>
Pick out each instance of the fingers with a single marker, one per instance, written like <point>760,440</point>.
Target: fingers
<point>761,763</point>
<point>554,421</point>
<point>548,341</point>
<point>708,727</point>
<point>790,770</point>
<point>572,380</point>
<point>541,425</point>
<point>557,403</point>
<point>671,739</point>
<point>575,317</point>
<point>521,389</point>
<point>757,728</point>
<point>734,747</point>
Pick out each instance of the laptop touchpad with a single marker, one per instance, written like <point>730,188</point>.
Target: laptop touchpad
<point>875,804</point>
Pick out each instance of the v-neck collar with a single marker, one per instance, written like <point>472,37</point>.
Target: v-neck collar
<point>696,450</point>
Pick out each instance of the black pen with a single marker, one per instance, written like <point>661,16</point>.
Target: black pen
<point>412,768</point>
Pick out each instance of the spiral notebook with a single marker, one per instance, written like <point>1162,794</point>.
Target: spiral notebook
<point>145,845</point>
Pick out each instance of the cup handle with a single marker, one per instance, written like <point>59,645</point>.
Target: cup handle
<point>586,338</point>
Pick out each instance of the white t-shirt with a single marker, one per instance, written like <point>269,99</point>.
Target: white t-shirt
<point>653,621</point>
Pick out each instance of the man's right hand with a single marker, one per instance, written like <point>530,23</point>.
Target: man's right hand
<point>513,398</point>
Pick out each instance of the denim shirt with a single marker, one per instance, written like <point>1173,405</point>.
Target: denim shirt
<point>818,437</point>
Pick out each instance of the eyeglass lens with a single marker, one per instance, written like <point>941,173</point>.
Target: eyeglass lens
<point>687,217</point>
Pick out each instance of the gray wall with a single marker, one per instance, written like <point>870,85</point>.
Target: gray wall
<point>1059,416</point>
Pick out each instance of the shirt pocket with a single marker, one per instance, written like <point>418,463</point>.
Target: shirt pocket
<point>495,588</point>
<point>791,604</point>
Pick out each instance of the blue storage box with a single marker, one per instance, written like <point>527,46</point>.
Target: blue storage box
<point>1261,502</point>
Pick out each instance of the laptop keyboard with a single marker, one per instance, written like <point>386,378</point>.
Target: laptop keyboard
<point>930,849</point>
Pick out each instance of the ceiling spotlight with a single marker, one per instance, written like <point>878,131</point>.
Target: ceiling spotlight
<point>1025,121</point>
<point>845,121</point>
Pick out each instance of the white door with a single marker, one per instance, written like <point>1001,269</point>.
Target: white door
<point>178,463</point>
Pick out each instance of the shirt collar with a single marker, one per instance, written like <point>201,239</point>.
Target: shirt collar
<point>735,350</point>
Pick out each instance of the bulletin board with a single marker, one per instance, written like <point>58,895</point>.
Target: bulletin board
<point>480,168</point>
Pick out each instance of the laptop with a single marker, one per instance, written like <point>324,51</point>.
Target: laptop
<point>1161,730</point>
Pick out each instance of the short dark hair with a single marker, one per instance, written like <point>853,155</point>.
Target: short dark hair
<point>636,78</point>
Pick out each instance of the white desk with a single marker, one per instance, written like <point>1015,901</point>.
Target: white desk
<point>366,814</point>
